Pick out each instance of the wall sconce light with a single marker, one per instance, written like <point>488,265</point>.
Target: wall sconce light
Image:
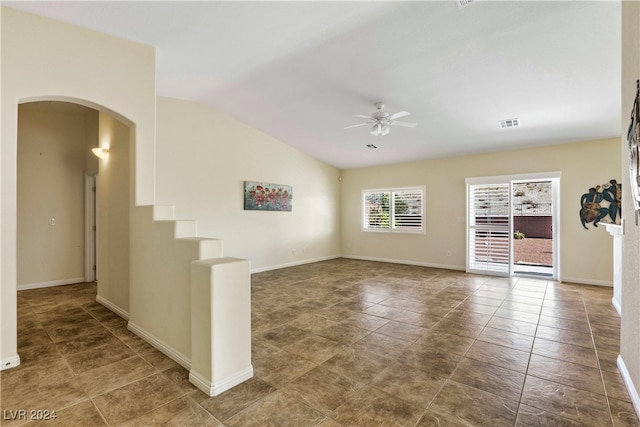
<point>101,153</point>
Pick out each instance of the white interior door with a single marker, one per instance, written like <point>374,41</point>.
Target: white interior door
<point>90,256</point>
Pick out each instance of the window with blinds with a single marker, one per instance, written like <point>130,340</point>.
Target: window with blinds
<point>489,231</point>
<point>393,210</point>
<point>376,210</point>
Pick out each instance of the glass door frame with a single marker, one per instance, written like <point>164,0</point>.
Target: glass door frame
<point>554,178</point>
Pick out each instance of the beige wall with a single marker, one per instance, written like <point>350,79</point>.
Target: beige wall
<point>203,159</point>
<point>45,59</point>
<point>630,297</point>
<point>113,205</point>
<point>582,165</point>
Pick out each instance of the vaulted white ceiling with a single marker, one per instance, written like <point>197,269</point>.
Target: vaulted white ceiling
<point>300,70</point>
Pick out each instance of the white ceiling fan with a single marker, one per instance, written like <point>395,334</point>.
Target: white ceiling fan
<point>382,121</point>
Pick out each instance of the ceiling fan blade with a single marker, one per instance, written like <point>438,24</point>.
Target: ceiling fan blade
<point>399,114</point>
<point>355,126</point>
<point>405,124</point>
<point>360,116</point>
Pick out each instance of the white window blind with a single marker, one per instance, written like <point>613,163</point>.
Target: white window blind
<point>376,210</point>
<point>489,231</point>
<point>393,210</point>
<point>407,209</point>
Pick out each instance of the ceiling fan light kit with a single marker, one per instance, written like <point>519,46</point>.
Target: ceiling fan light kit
<point>382,121</point>
<point>379,129</point>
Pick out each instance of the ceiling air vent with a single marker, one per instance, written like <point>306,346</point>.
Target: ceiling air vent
<point>465,3</point>
<point>371,146</point>
<point>509,123</point>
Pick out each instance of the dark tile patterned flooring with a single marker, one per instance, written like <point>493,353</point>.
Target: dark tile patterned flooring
<point>340,343</point>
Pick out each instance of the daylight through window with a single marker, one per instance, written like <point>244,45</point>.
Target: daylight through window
<point>393,210</point>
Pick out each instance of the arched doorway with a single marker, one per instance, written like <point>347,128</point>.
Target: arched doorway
<point>54,157</point>
<point>56,169</point>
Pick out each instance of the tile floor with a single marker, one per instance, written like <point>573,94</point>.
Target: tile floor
<point>340,343</point>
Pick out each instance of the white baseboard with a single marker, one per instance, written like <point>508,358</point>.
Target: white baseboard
<point>50,283</point>
<point>363,258</point>
<point>583,281</point>
<point>616,305</point>
<point>406,262</point>
<point>580,280</point>
<point>111,306</point>
<point>220,387</point>
<point>163,347</point>
<point>10,362</point>
<point>628,382</point>
<point>293,264</point>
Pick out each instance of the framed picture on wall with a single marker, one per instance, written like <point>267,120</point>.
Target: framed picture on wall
<point>260,196</point>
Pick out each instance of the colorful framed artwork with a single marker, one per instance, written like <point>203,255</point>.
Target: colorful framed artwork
<point>260,196</point>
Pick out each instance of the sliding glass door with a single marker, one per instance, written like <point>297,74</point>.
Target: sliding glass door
<point>512,226</point>
<point>532,208</point>
<point>489,231</point>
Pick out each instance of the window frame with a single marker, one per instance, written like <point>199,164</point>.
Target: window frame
<point>392,194</point>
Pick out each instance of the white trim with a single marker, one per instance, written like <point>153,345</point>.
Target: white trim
<point>557,225</point>
<point>10,362</point>
<point>406,262</point>
<point>50,283</point>
<point>616,305</point>
<point>163,347</point>
<point>392,229</point>
<point>294,263</point>
<point>578,280</point>
<point>111,306</point>
<point>201,383</point>
<point>221,386</point>
<point>628,382</point>
<point>582,281</point>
